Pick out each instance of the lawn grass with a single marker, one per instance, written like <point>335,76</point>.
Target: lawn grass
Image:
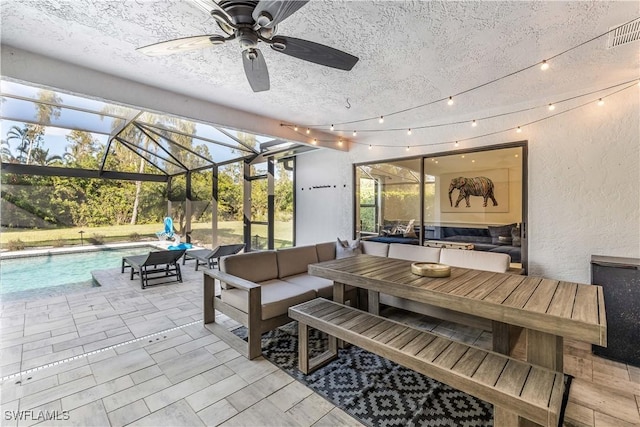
<point>228,232</point>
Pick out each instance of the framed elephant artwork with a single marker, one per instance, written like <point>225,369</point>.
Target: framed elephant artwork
<point>475,191</point>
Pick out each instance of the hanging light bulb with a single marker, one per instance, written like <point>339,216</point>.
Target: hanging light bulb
<point>370,146</point>
<point>315,141</point>
<point>407,148</point>
<point>552,107</point>
<point>355,133</point>
<point>474,123</point>
<point>308,131</point>
<point>340,143</point>
<point>450,101</point>
<point>381,119</point>
<point>600,102</point>
<point>295,128</point>
<point>457,143</point>
<point>331,127</point>
<point>544,65</point>
<point>409,132</point>
<point>519,129</point>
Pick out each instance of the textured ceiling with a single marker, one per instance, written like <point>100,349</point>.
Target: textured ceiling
<point>411,52</point>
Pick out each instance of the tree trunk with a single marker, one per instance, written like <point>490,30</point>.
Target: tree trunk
<point>136,200</point>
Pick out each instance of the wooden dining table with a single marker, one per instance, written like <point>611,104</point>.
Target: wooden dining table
<point>547,310</point>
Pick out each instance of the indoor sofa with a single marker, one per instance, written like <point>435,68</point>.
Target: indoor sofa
<point>257,288</point>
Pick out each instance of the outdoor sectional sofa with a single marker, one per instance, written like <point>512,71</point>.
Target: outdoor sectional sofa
<point>257,288</point>
<point>484,239</point>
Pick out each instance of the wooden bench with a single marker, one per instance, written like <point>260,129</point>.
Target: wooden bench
<point>515,388</point>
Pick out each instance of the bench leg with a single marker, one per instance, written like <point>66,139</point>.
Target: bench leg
<point>305,363</point>
<point>503,417</point>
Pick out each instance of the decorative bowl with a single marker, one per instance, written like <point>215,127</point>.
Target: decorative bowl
<point>430,269</point>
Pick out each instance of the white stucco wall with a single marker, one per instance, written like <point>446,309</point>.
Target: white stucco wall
<point>583,185</point>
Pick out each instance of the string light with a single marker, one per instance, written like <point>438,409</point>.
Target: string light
<point>407,148</point>
<point>295,128</point>
<point>409,132</point>
<point>552,107</point>
<point>381,120</point>
<point>544,65</point>
<point>629,84</point>
<point>308,131</point>
<point>355,133</point>
<point>456,144</point>
<point>315,141</point>
<point>370,146</point>
<point>600,102</point>
<point>332,128</point>
<point>474,123</point>
<point>340,142</point>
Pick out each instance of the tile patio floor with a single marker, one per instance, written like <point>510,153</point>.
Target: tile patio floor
<point>182,374</point>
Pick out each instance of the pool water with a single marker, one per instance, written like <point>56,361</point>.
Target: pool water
<point>29,273</point>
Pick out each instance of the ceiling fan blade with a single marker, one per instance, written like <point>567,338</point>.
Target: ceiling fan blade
<point>269,13</point>
<point>209,6</point>
<point>181,45</point>
<point>256,69</point>
<point>314,52</point>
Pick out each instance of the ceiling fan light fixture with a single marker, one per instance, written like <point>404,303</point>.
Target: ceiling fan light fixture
<point>264,19</point>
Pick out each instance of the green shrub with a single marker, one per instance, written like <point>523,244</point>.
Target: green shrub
<point>96,239</point>
<point>15,245</point>
<point>135,237</point>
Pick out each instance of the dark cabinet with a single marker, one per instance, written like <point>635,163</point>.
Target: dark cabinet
<point>620,280</point>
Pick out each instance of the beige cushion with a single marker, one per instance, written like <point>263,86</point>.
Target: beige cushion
<point>478,260</point>
<point>323,287</point>
<point>277,297</point>
<point>326,251</point>
<point>414,252</point>
<point>295,260</point>
<point>252,266</point>
<point>375,248</point>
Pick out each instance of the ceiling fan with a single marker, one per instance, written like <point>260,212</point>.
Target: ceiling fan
<point>252,22</point>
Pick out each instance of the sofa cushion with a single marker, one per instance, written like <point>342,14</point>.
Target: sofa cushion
<point>375,248</point>
<point>326,251</point>
<point>414,253</point>
<point>323,287</point>
<point>345,249</point>
<point>515,236</point>
<point>252,266</point>
<point>295,260</point>
<point>488,261</point>
<point>277,297</point>
<point>502,230</point>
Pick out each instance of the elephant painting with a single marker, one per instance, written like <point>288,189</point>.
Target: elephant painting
<point>478,186</point>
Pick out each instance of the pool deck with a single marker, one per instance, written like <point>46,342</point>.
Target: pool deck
<point>119,355</point>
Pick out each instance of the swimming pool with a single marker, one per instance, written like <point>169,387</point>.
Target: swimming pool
<point>51,270</point>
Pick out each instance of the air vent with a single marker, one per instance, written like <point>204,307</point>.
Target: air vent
<point>624,34</point>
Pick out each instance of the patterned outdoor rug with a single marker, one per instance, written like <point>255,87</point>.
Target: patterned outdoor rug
<point>372,389</point>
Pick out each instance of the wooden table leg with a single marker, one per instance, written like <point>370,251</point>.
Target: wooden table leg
<point>545,350</point>
<point>374,302</point>
<point>338,296</point>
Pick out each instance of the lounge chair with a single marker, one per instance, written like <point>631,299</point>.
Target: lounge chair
<point>165,262</point>
<point>211,258</point>
<point>167,233</point>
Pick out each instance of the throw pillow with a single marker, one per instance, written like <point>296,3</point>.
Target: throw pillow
<point>344,249</point>
<point>410,233</point>
<point>502,230</point>
<point>515,236</point>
